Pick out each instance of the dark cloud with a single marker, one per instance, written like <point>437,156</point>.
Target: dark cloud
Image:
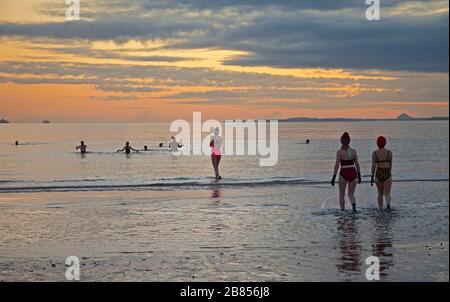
<point>108,54</point>
<point>384,45</point>
<point>311,33</point>
<point>259,4</point>
<point>100,30</point>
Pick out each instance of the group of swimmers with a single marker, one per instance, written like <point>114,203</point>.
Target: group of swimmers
<point>174,145</point>
<point>350,172</point>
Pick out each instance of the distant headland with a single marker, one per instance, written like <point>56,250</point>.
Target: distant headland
<point>3,121</point>
<point>401,117</point>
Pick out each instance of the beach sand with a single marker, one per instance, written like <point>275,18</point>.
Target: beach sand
<point>270,233</point>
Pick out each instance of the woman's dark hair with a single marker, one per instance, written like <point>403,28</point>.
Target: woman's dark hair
<point>345,139</point>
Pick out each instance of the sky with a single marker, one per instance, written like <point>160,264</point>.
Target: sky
<point>161,60</point>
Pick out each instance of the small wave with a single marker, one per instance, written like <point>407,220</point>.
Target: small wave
<point>80,180</point>
<point>11,181</point>
<point>183,185</point>
<point>141,152</point>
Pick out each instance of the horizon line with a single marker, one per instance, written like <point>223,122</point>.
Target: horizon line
<point>350,119</point>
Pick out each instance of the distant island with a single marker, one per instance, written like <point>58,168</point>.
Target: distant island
<point>401,117</point>
<point>46,122</point>
<point>3,121</point>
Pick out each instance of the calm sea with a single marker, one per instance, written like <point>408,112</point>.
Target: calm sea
<point>47,160</point>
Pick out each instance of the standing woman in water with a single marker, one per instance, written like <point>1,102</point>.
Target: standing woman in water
<point>216,155</point>
<point>350,174</point>
<point>381,170</point>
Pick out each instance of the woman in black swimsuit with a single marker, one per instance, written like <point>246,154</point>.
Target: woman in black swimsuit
<point>127,148</point>
<point>381,172</point>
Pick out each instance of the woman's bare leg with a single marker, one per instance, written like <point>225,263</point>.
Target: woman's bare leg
<point>387,191</point>
<point>218,163</point>
<point>351,193</point>
<point>215,166</point>
<point>342,185</point>
<point>380,188</point>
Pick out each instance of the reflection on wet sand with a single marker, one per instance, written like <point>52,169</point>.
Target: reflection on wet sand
<point>349,244</point>
<point>216,194</point>
<point>219,223</point>
<point>383,241</point>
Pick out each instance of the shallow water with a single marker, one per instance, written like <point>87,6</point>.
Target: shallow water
<point>270,234</point>
<point>260,224</point>
<point>48,158</point>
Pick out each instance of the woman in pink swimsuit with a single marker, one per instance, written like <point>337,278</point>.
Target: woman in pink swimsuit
<point>350,173</point>
<point>216,155</point>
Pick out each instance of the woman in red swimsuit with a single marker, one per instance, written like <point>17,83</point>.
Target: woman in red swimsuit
<point>350,174</point>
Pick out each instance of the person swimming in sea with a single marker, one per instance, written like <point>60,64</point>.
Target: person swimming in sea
<point>350,172</point>
<point>174,145</point>
<point>161,145</point>
<point>145,148</point>
<point>127,148</point>
<point>382,172</point>
<point>82,147</point>
<point>216,155</point>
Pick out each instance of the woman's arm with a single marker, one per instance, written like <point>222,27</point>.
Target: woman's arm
<point>391,159</point>
<point>337,163</point>
<point>336,168</point>
<point>372,175</point>
<point>358,168</point>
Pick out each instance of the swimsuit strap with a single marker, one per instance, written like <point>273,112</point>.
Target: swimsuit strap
<point>377,160</point>
<point>347,162</point>
<point>387,157</point>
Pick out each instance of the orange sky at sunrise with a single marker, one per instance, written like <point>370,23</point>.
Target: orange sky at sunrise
<point>143,63</point>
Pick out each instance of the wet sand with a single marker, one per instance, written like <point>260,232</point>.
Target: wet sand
<point>274,233</point>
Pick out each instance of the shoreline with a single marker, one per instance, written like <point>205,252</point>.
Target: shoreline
<point>184,185</point>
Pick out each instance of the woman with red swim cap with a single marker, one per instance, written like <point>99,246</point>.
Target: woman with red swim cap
<point>381,172</point>
<point>350,173</point>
